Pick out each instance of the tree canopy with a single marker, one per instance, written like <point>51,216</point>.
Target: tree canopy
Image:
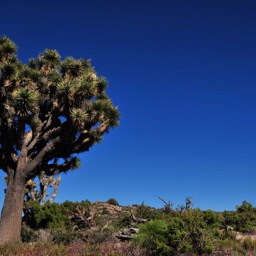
<point>51,110</point>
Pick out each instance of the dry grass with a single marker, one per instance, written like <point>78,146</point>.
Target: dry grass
<point>75,249</point>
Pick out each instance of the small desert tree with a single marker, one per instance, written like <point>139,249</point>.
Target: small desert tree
<point>50,111</point>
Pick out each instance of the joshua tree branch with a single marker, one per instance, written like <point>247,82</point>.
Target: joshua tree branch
<point>33,164</point>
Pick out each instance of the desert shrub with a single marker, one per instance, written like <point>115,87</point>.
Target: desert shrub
<point>46,248</point>
<point>245,207</point>
<point>82,249</point>
<point>10,248</point>
<point>186,233</point>
<point>153,237</point>
<point>112,201</point>
<point>70,206</point>
<point>96,237</point>
<point>194,217</point>
<point>231,247</point>
<point>28,235</point>
<point>230,218</point>
<point>44,235</point>
<point>212,218</point>
<point>146,212</point>
<point>243,219</point>
<point>50,215</point>
<point>78,213</point>
<point>109,229</point>
<point>249,244</point>
<point>176,236</point>
<point>124,222</point>
<point>189,233</point>
<point>63,236</point>
<point>200,235</point>
<point>200,241</point>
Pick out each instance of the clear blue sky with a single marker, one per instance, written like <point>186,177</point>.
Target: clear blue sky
<point>183,74</point>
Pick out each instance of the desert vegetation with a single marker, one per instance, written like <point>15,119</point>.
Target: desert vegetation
<point>94,228</point>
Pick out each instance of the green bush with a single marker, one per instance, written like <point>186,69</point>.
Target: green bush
<point>201,241</point>
<point>70,206</point>
<point>199,235</point>
<point>212,218</point>
<point>176,236</point>
<point>124,222</point>
<point>50,215</point>
<point>243,219</point>
<point>146,212</point>
<point>112,201</point>
<point>153,237</point>
<point>185,233</point>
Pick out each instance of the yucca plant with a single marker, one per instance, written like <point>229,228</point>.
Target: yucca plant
<point>50,109</point>
<point>51,58</point>
<point>25,101</point>
<point>78,117</point>
<point>72,68</point>
<point>7,48</point>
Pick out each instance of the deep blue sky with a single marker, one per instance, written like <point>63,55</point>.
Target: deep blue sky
<point>183,76</point>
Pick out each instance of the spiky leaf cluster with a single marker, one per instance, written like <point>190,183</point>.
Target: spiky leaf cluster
<point>51,110</point>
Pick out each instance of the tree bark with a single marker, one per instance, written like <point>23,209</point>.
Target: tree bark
<point>11,216</point>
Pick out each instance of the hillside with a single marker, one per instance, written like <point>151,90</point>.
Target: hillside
<point>106,228</point>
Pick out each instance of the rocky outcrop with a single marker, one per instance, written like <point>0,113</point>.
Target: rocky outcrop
<point>130,232</point>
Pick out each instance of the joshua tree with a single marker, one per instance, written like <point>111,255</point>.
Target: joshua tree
<point>50,111</point>
<point>40,194</point>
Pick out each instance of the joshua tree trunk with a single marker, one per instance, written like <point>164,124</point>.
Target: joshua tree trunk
<point>10,224</point>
